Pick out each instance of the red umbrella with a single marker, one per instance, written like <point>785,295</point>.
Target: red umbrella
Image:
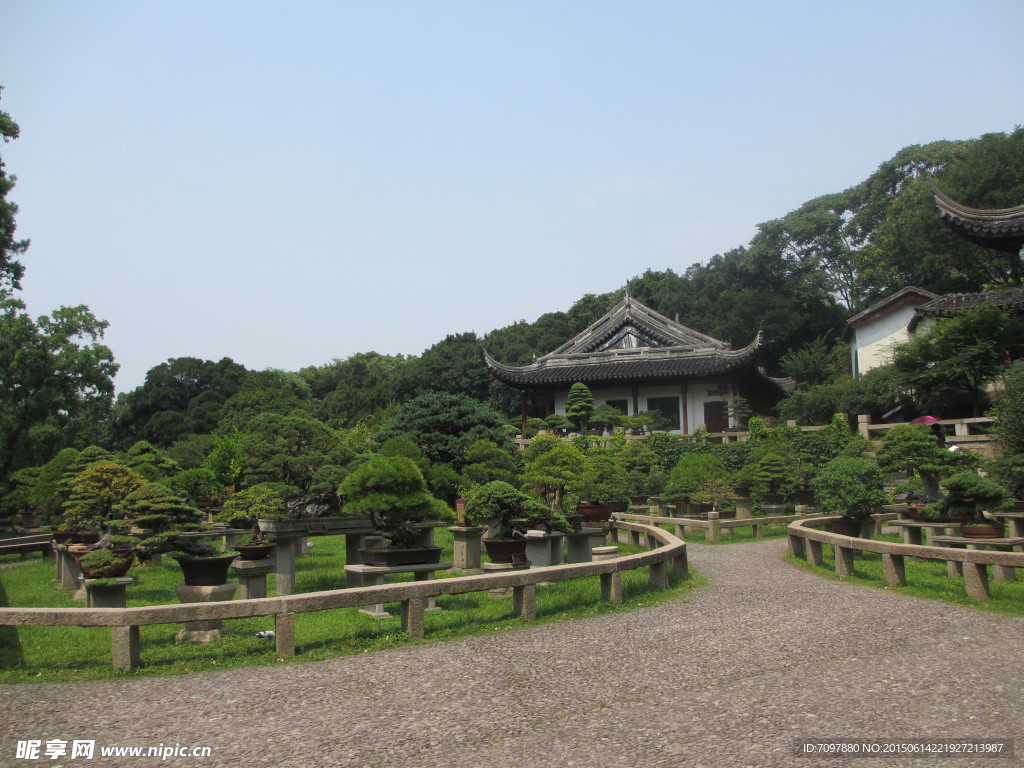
<point>926,420</point>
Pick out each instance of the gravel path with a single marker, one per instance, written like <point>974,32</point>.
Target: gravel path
<point>735,675</point>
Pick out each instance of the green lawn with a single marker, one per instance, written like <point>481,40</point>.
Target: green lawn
<point>926,579</point>
<point>50,654</point>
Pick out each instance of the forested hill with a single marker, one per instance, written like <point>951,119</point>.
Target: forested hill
<point>799,278</point>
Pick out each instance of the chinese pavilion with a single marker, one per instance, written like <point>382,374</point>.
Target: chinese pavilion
<point>636,359</point>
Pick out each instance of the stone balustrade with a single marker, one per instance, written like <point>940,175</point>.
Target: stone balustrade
<point>713,526</point>
<point>806,540</point>
<point>125,622</point>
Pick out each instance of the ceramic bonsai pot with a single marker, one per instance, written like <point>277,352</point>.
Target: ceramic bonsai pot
<point>205,571</point>
<point>397,556</point>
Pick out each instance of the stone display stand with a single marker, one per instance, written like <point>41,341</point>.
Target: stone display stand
<point>373,575</point>
<point>252,576</point>
<point>98,595</point>
<point>67,569</point>
<point>467,548</point>
<point>605,553</point>
<point>579,543</point>
<point>492,567</point>
<point>744,507</point>
<point>204,630</point>
<point>544,549</point>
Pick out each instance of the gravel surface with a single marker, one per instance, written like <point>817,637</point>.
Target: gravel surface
<point>736,674</point>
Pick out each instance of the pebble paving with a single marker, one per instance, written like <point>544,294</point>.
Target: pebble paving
<point>738,673</point>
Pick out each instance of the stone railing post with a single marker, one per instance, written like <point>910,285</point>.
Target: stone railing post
<point>714,531</point>
<point>466,547</point>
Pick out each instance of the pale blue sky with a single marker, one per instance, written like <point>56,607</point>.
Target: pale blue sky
<point>285,184</point>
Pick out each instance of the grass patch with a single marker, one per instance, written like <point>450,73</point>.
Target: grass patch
<point>926,579</point>
<point>60,654</point>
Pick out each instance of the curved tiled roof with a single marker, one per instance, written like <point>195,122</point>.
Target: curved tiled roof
<point>998,228</point>
<point>631,342</point>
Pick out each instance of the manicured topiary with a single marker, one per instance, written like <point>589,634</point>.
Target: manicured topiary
<point>849,486</point>
<point>391,492</point>
<point>511,511</point>
<point>156,506</point>
<point>968,493</point>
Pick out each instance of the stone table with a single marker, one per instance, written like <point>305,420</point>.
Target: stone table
<point>373,575</point>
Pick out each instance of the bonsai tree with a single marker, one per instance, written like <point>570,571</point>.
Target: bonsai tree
<point>260,502</point>
<point>558,423</point>
<point>511,511</point>
<point>715,491</point>
<point>850,486</point>
<point>604,479</point>
<point>644,475</point>
<point>606,417</point>
<point>691,472</point>
<point>487,461</point>
<point>391,492</point>
<point>553,471</point>
<point>913,449</point>
<point>579,404</point>
<point>774,474</point>
<point>970,494</point>
<point>96,494</point>
<point>199,485</point>
<point>157,507</point>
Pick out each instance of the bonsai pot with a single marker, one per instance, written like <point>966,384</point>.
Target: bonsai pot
<point>110,571</point>
<point>620,506</point>
<point>397,556</point>
<point>205,571</point>
<point>742,491</point>
<point>65,537</point>
<point>773,498</point>
<point>983,531</point>
<point>502,550</point>
<point>254,551</point>
<point>594,513</point>
<point>638,501</point>
<point>87,537</point>
<point>574,520</point>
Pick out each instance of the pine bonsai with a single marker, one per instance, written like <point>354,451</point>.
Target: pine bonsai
<point>391,492</point>
<point>511,511</point>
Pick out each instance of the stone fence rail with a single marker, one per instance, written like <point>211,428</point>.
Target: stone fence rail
<point>125,622</point>
<point>806,540</point>
<point>713,526</point>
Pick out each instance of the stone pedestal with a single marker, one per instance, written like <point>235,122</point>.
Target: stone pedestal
<point>605,553</point>
<point>100,595</point>
<point>230,540</point>
<point>284,555</point>
<point>491,567</point>
<point>301,550</point>
<point>69,570</point>
<point>467,547</point>
<point>373,575</point>
<point>545,549</point>
<point>579,547</point>
<point>252,577</point>
<point>744,507</point>
<point>203,630</point>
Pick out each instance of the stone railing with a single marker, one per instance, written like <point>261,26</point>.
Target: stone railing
<point>665,549</point>
<point>713,526</point>
<point>806,540</point>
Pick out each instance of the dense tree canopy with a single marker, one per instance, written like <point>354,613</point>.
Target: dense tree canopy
<point>11,270</point>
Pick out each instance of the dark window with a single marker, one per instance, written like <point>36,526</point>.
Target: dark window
<point>716,417</point>
<point>668,407</point>
<point>620,404</point>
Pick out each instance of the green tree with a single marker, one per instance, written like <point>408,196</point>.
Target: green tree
<point>1008,411</point>
<point>454,366</point>
<point>849,486</point>
<point>554,471</point>
<point>487,461</point>
<point>52,369</point>
<point>11,270</point>
<point>446,425</point>
<point>289,449</point>
<point>96,495</point>
<point>354,388</point>
<point>959,354</point>
<point>390,490</point>
<point>182,396</point>
<point>579,405</point>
